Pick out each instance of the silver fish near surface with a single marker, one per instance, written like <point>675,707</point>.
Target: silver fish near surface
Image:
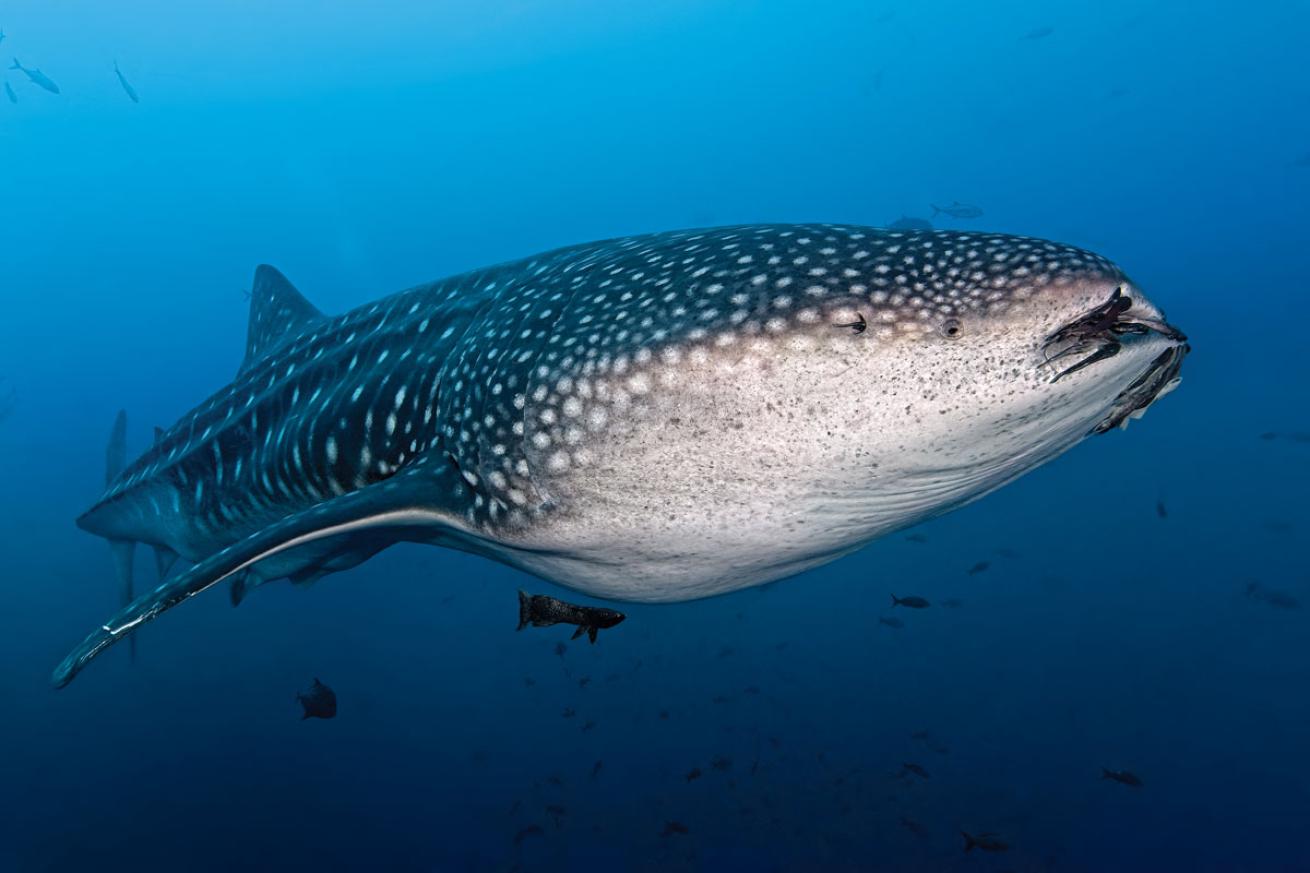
<point>956,209</point>
<point>653,418</point>
<point>36,77</point>
<point>126,85</point>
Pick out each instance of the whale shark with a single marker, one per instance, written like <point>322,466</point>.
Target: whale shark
<point>654,418</point>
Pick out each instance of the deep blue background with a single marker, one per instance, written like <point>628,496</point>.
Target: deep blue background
<point>364,148</point>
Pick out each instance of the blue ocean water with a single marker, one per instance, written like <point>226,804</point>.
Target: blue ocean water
<point>367,149</point>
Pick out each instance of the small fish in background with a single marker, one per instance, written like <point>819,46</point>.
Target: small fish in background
<point>913,826</point>
<point>318,702</point>
<point>909,222</point>
<point>980,567</point>
<point>528,681</point>
<point>988,842</point>
<point>584,681</point>
<point>1293,436</point>
<point>597,768</point>
<point>560,649</point>
<point>912,602</point>
<point>930,742</point>
<point>1161,511</point>
<point>673,827</point>
<point>722,763</point>
<point>529,831</point>
<point>1038,33</point>
<point>1271,596</point>
<point>891,621</point>
<point>693,774</point>
<point>1123,777</point>
<point>36,77</point>
<point>916,538</point>
<point>127,86</point>
<point>9,92</point>
<point>568,712</point>
<point>2,34</point>
<point>557,812</point>
<point>956,209</point>
<point>588,725</point>
<point>915,770</point>
<point>539,610</point>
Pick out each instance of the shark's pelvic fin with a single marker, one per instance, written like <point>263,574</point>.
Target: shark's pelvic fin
<point>124,552</point>
<point>164,558</point>
<point>395,507</point>
<point>278,312</point>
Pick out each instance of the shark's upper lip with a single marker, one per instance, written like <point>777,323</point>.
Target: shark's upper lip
<point>1101,333</point>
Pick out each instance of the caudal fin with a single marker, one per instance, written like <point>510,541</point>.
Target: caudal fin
<point>969,842</point>
<point>16,65</point>
<point>895,600</point>
<point>116,451</point>
<point>124,551</point>
<point>525,610</point>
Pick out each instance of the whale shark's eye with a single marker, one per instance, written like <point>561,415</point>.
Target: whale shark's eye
<point>952,329</point>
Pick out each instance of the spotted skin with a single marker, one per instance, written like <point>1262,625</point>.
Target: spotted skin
<point>656,417</point>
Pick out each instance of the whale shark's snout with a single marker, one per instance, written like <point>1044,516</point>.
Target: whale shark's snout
<point>1125,320</point>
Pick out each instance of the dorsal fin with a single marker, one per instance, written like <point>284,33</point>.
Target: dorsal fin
<point>159,434</point>
<point>277,312</point>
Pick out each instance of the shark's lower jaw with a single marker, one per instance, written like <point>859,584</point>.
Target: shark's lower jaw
<point>1159,379</point>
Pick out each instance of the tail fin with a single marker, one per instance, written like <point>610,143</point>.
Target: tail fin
<point>124,551</point>
<point>936,210</point>
<point>525,609</point>
<point>17,65</point>
<point>969,842</point>
<point>116,451</point>
<point>1105,773</point>
<point>896,601</point>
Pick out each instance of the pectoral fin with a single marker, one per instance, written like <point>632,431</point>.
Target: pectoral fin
<point>399,507</point>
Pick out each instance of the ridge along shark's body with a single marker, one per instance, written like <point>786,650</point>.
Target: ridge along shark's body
<point>654,418</point>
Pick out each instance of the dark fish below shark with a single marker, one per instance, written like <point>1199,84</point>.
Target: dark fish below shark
<point>654,418</point>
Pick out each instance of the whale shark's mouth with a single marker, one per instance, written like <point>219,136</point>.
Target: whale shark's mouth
<point>1100,335</point>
